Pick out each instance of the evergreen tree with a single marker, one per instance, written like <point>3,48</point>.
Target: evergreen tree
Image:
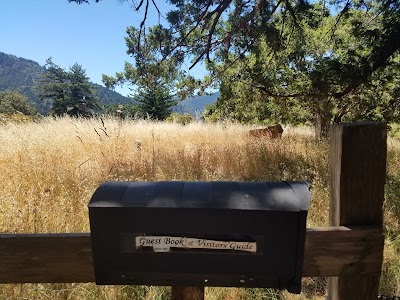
<point>21,75</point>
<point>308,75</point>
<point>70,91</point>
<point>83,94</point>
<point>150,67</point>
<point>155,101</point>
<point>315,56</point>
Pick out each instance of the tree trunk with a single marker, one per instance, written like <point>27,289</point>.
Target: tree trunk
<point>322,123</point>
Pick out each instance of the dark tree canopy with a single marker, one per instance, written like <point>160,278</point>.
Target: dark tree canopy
<point>155,101</point>
<point>314,54</point>
<point>202,28</point>
<point>70,91</point>
<point>334,69</point>
<point>210,29</point>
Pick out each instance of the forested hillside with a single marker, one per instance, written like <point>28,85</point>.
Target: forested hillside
<point>195,105</point>
<point>20,74</point>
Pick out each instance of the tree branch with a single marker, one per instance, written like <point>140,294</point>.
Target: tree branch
<point>292,14</point>
<point>142,24</point>
<point>139,6</point>
<point>179,44</point>
<point>260,5</point>
<point>342,12</point>
<point>379,59</point>
<point>224,5</point>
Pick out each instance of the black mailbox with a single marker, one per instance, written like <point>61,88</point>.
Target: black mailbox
<point>244,234</point>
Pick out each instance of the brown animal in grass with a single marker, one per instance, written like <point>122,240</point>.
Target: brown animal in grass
<point>272,132</point>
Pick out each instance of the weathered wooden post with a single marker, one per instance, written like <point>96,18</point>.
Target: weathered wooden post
<point>357,179</point>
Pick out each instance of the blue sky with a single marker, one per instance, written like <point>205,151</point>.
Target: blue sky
<point>91,35</point>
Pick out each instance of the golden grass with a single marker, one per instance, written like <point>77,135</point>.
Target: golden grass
<point>50,169</point>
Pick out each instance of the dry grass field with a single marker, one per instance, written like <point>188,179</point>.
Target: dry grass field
<point>49,170</point>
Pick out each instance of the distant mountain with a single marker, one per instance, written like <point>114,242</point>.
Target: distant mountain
<point>108,96</point>
<point>195,105</point>
<point>20,74</point>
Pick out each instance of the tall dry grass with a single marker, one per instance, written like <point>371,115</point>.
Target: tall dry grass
<point>50,169</point>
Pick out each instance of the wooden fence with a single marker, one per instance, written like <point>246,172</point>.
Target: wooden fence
<point>350,252</point>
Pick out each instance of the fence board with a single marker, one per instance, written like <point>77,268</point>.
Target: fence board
<point>357,184</point>
<point>333,251</point>
<point>52,258</point>
<point>63,258</point>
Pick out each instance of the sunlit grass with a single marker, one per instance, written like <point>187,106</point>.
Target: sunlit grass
<point>50,169</point>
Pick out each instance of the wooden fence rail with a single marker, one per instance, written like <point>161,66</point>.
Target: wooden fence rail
<point>58,258</point>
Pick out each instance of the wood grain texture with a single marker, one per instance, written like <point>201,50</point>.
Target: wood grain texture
<point>357,174</point>
<point>52,258</point>
<point>329,251</point>
<point>332,251</point>
<point>357,180</point>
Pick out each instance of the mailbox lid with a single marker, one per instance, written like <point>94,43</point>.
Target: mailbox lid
<point>286,196</point>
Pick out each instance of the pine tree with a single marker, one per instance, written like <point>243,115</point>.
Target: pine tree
<point>83,94</point>
<point>155,101</point>
<point>69,91</point>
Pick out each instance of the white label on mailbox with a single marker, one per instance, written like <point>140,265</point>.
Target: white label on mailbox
<point>164,243</point>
